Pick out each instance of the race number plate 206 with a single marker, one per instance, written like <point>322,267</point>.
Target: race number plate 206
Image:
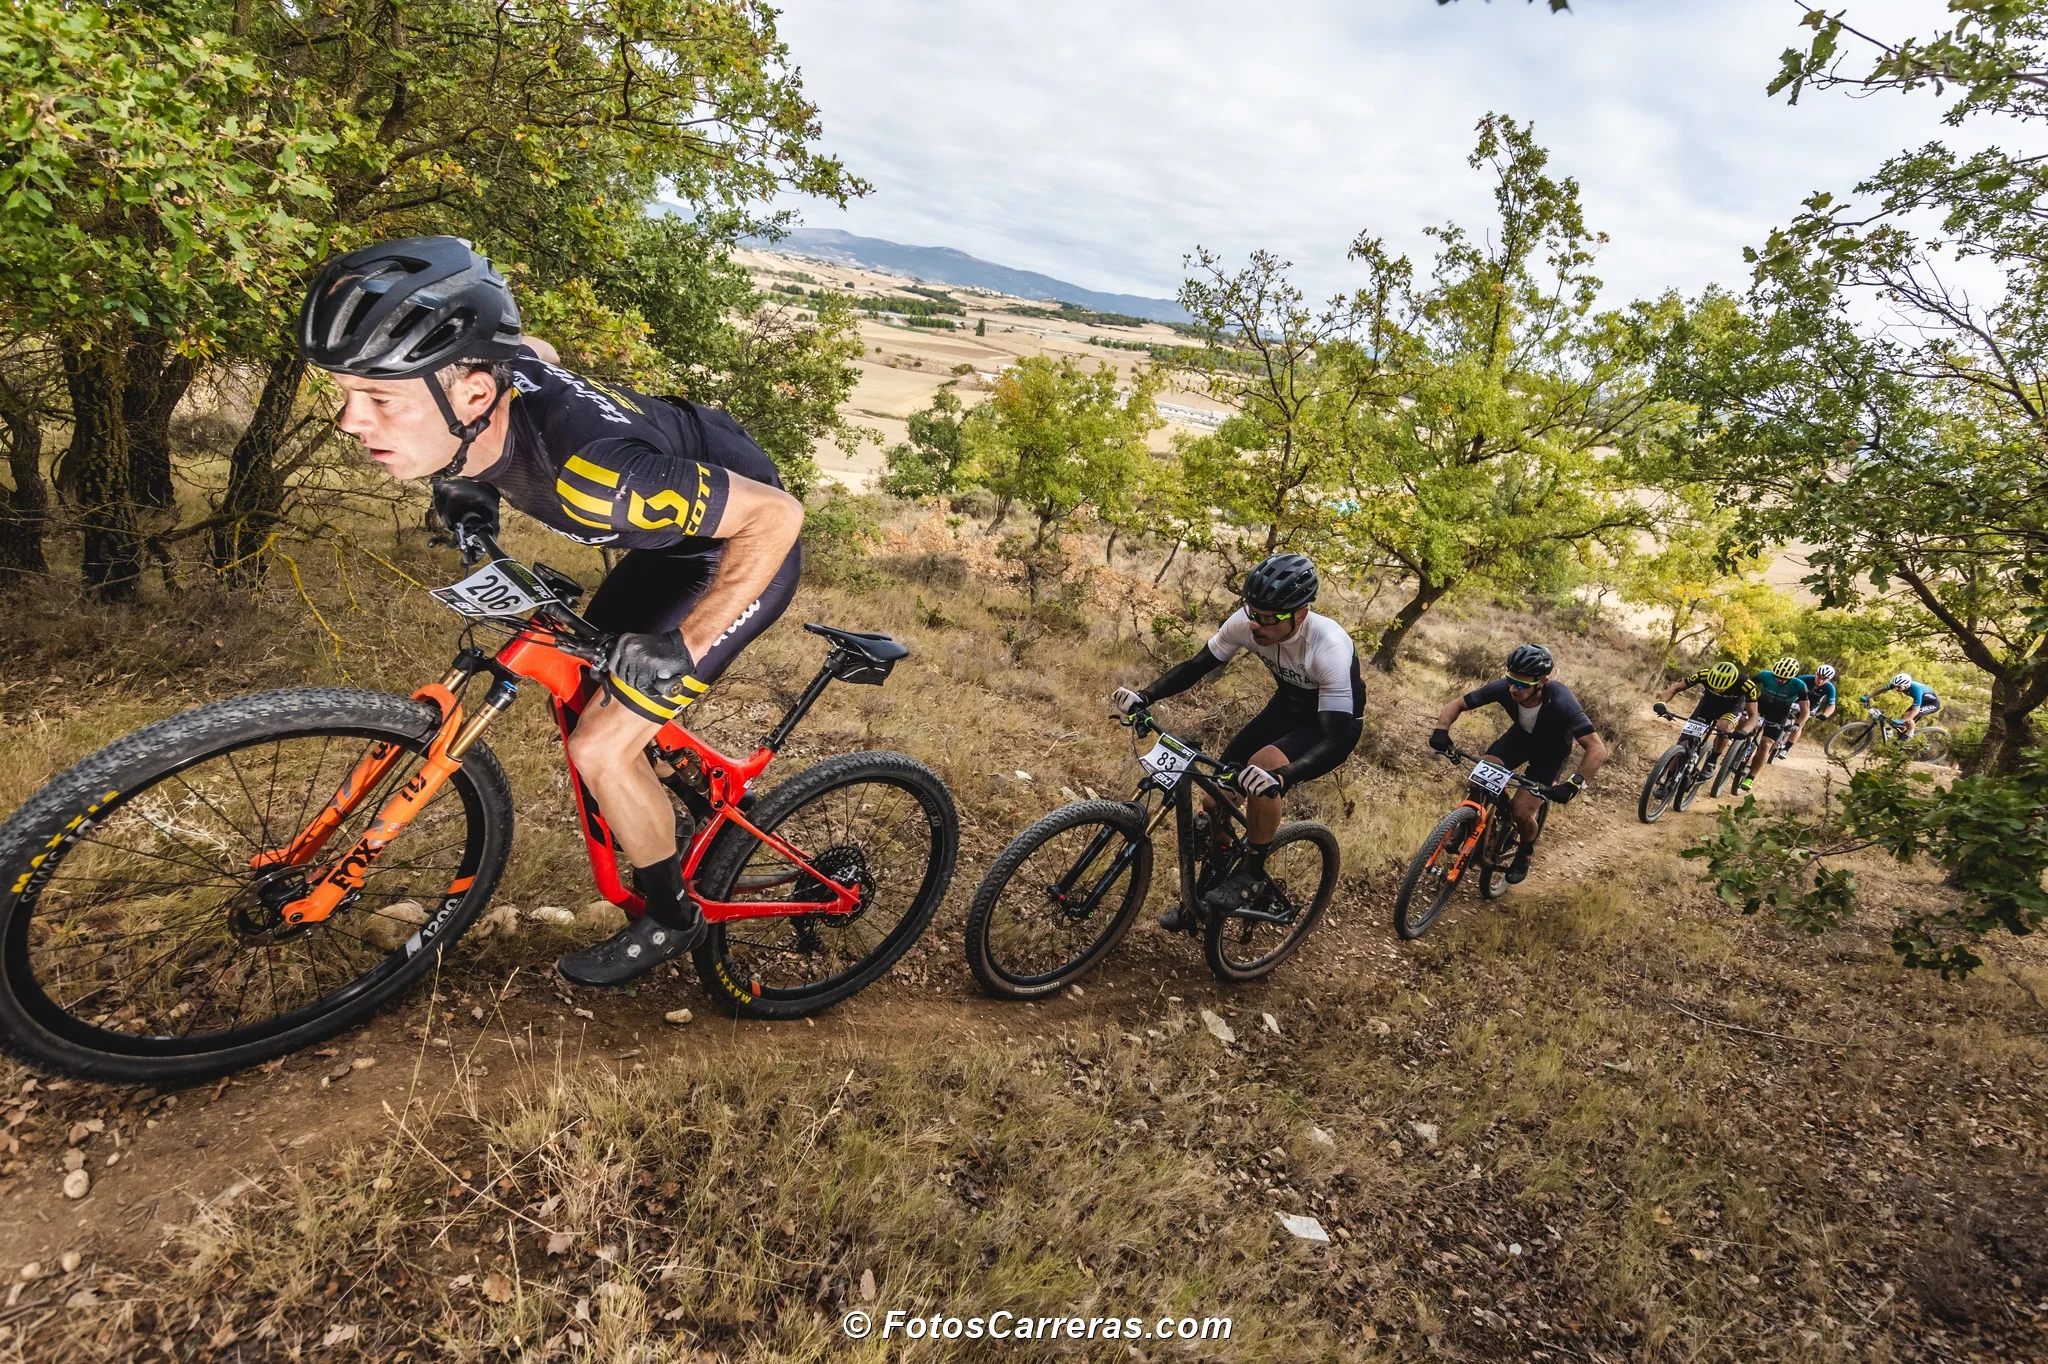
<point>1490,778</point>
<point>1164,761</point>
<point>496,589</point>
<point>1693,729</point>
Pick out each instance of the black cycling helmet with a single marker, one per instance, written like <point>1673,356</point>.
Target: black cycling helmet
<point>1282,582</point>
<point>1532,661</point>
<point>405,309</point>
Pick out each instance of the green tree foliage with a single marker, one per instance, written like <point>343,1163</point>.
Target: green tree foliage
<point>1054,438</point>
<point>154,184</point>
<point>1522,412</point>
<point>928,464</point>
<point>1988,834</point>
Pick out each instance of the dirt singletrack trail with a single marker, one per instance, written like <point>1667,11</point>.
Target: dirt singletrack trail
<point>483,1032</point>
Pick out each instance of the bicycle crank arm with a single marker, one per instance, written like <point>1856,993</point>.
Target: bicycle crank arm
<point>444,756</point>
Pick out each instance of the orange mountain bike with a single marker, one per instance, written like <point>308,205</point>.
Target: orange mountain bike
<point>1480,835</point>
<point>247,878</point>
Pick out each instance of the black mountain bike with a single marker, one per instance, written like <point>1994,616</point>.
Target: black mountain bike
<point>1068,888</point>
<point>1678,774</point>
<point>1735,759</point>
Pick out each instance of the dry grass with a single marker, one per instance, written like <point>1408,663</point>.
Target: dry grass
<point>1604,1123</point>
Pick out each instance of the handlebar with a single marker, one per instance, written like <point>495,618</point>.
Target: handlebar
<point>573,633</point>
<point>1531,785</point>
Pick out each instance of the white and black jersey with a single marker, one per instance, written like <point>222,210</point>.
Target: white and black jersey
<point>1316,667</point>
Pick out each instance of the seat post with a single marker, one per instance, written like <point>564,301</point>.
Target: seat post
<point>780,734</point>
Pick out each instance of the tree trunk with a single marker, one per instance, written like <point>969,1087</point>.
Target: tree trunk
<point>1002,514</point>
<point>157,380</point>
<point>254,501</point>
<point>1427,594</point>
<point>2009,733</point>
<point>98,465</point>
<point>1109,549</point>
<point>1161,576</point>
<point>25,509</point>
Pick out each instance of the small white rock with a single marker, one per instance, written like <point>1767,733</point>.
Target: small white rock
<point>500,919</point>
<point>1425,1130</point>
<point>1320,1137</point>
<point>1217,1027</point>
<point>31,1271</point>
<point>69,1261</point>
<point>77,1184</point>
<point>1303,1226</point>
<point>602,916</point>
<point>1272,1024</point>
<point>551,914</point>
<point>1022,775</point>
<point>677,1015</point>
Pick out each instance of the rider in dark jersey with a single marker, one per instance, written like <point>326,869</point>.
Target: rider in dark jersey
<point>1821,699</point>
<point>1307,729</point>
<point>1546,721</point>
<point>423,338</point>
<point>1724,691</point>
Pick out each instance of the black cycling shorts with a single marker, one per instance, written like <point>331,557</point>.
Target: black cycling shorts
<point>656,589</point>
<point>1294,731</point>
<point>1775,725</point>
<point>1516,746</point>
<point>1713,705</point>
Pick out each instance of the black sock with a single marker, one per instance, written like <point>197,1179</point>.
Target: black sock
<point>1255,858</point>
<point>662,886</point>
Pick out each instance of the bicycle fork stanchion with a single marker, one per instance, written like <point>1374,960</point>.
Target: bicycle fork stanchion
<point>444,756</point>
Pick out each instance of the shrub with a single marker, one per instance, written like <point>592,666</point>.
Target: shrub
<point>837,533</point>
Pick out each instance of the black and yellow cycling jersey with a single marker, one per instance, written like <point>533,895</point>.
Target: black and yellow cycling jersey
<point>608,466</point>
<point>1715,703</point>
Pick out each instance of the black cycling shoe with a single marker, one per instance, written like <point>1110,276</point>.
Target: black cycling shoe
<point>1518,870</point>
<point>1235,893</point>
<point>1178,920</point>
<point>631,952</point>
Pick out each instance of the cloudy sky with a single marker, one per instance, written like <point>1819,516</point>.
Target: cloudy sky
<point>1099,141</point>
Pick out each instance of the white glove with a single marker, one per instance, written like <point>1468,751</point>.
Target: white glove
<point>1126,701</point>
<point>1257,781</point>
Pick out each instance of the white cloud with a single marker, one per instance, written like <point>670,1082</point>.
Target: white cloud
<point>1099,142</point>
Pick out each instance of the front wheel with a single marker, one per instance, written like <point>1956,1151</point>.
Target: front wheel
<point>141,939</point>
<point>1301,876</point>
<point>1666,779</point>
<point>882,822</point>
<point>1059,898</point>
<point>1734,760</point>
<point>1433,873</point>
<point>1850,742</point>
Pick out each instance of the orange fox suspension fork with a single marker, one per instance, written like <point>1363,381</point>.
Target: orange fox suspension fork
<point>444,755</point>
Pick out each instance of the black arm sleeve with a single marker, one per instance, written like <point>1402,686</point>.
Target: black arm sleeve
<point>1341,731</point>
<point>1181,676</point>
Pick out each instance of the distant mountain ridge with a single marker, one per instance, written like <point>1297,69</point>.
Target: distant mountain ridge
<point>944,265</point>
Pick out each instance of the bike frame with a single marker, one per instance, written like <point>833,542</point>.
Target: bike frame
<point>556,649</point>
<point>1488,809</point>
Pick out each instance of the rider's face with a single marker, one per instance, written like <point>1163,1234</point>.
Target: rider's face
<point>1271,632</point>
<point>401,426</point>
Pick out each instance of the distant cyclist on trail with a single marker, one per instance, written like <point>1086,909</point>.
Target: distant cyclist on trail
<point>1782,703</point>
<point>1724,691</point>
<point>423,337</point>
<point>1821,699</point>
<point>1920,700</point>
<point>1307,729</point>
<point>1546,721</point>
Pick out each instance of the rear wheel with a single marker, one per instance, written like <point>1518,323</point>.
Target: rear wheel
<point>1850,742</point>
<point>1059,898</point>
<point>139,939</point>
<point>1929,744</point>
<point>1301,876</point>
<point>1661,786</point>
<point>881,822</point>
<point>1430,882</point>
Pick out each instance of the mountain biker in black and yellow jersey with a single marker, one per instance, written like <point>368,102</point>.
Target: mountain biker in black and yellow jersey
<point>1782,702</point>
<point>423,337</point>
<point>1309,727</point>
<point>1724,691</point>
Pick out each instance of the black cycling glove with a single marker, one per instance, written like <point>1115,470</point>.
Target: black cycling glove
<point>648,672</point>
<point>1440,740</point>
<point>457,500</point>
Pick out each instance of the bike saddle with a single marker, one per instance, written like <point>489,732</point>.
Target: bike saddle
<point>875,648</point>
